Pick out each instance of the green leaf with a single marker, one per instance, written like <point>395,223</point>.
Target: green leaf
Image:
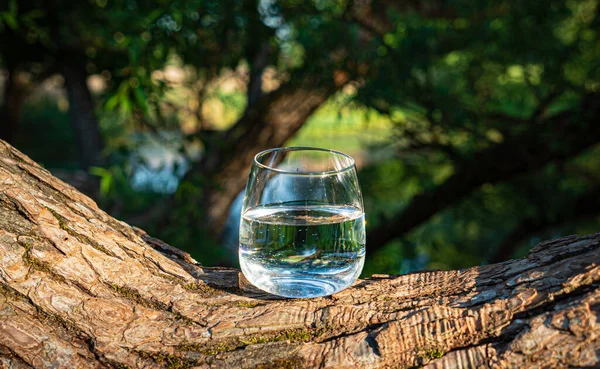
<point>112,102</point>
<point>140,98</point>
<point>125,107</point>
<point>106,179</point>
<point>11,21</point>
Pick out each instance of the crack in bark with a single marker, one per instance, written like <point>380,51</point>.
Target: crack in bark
<point>12,354</point>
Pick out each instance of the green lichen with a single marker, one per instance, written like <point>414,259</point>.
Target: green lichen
<point>248,304</point>
<point>64,225</point>
<point>166,276</point>
<point>12,293</point>
<point>51,319</point>
<point>292,363</point>
<point>186,346</point>
<point>191,286</point>
<point>27,245</point>
<point>131,294</point>
<point>165,360</point>
<point>55,319</point>
<point>135,296</point>
<point>430,353</point>
<point>62,222</point>
<point>301,335</point>
<point>41,266</point>
<point>201,288</point>
<point>212,349</point>
<point>116,364</point>
<point>255,340</point>
<point>226,345</point>
<point>222,346</point>
<point>183,319</point>
<point>292,335</point>
<point>37,264</point>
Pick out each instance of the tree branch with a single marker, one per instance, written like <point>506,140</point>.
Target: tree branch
<point>585,206</point>
<point>256,71</point>
<point>80,289</point>
<point>273,121</point>
<point>576,130</point>
<point>81,110</point>
<point>14,98</point>
<point>270,122</point>
<point>544,104</point>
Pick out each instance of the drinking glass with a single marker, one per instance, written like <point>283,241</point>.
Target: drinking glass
<point>302,232</point>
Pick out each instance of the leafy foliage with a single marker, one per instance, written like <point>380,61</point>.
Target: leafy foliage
<point>454,78</point>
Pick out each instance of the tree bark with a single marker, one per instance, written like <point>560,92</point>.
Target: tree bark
<point>80,289</point>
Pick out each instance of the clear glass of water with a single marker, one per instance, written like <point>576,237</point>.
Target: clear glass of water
<point>302,232</point>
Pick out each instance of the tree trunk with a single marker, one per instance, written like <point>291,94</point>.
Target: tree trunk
<point>15,93</point>
<point>81,110</point>
<point>272,121</point>
<point>80,289</point>
<point>258,131</point>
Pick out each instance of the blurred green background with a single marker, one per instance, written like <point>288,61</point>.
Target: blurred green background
<point>475,124</point>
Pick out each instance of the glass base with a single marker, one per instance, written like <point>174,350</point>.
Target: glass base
<point>297,288</point>
<point>295,284</point>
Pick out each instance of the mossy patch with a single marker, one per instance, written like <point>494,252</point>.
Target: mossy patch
<point>292,363</point>
<point>39,265</point>
<point>231,344</point>
<point>168,361</point>
<point>293,335</point>
<point>183,319</point>
<point>247,304</point>
<point>64,225</point>
<point>62,222</point>
<point>217,348</point>
<point>201,288</point>
<point>116,364</point>
<point>51,319</point>
<point>133,295</point>
<point>14,294</point>
<point>55,319</point>
<point>430,353</point>
<point>167,276</point>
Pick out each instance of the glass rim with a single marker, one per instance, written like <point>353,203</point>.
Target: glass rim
<point>348,167</point>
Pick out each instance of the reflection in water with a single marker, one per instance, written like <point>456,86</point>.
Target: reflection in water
<point>231,232</point>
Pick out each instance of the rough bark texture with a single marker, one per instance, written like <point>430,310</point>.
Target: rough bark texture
<point>80,289</point>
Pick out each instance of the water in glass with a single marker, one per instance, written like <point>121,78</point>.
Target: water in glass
<point>302,232</point>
